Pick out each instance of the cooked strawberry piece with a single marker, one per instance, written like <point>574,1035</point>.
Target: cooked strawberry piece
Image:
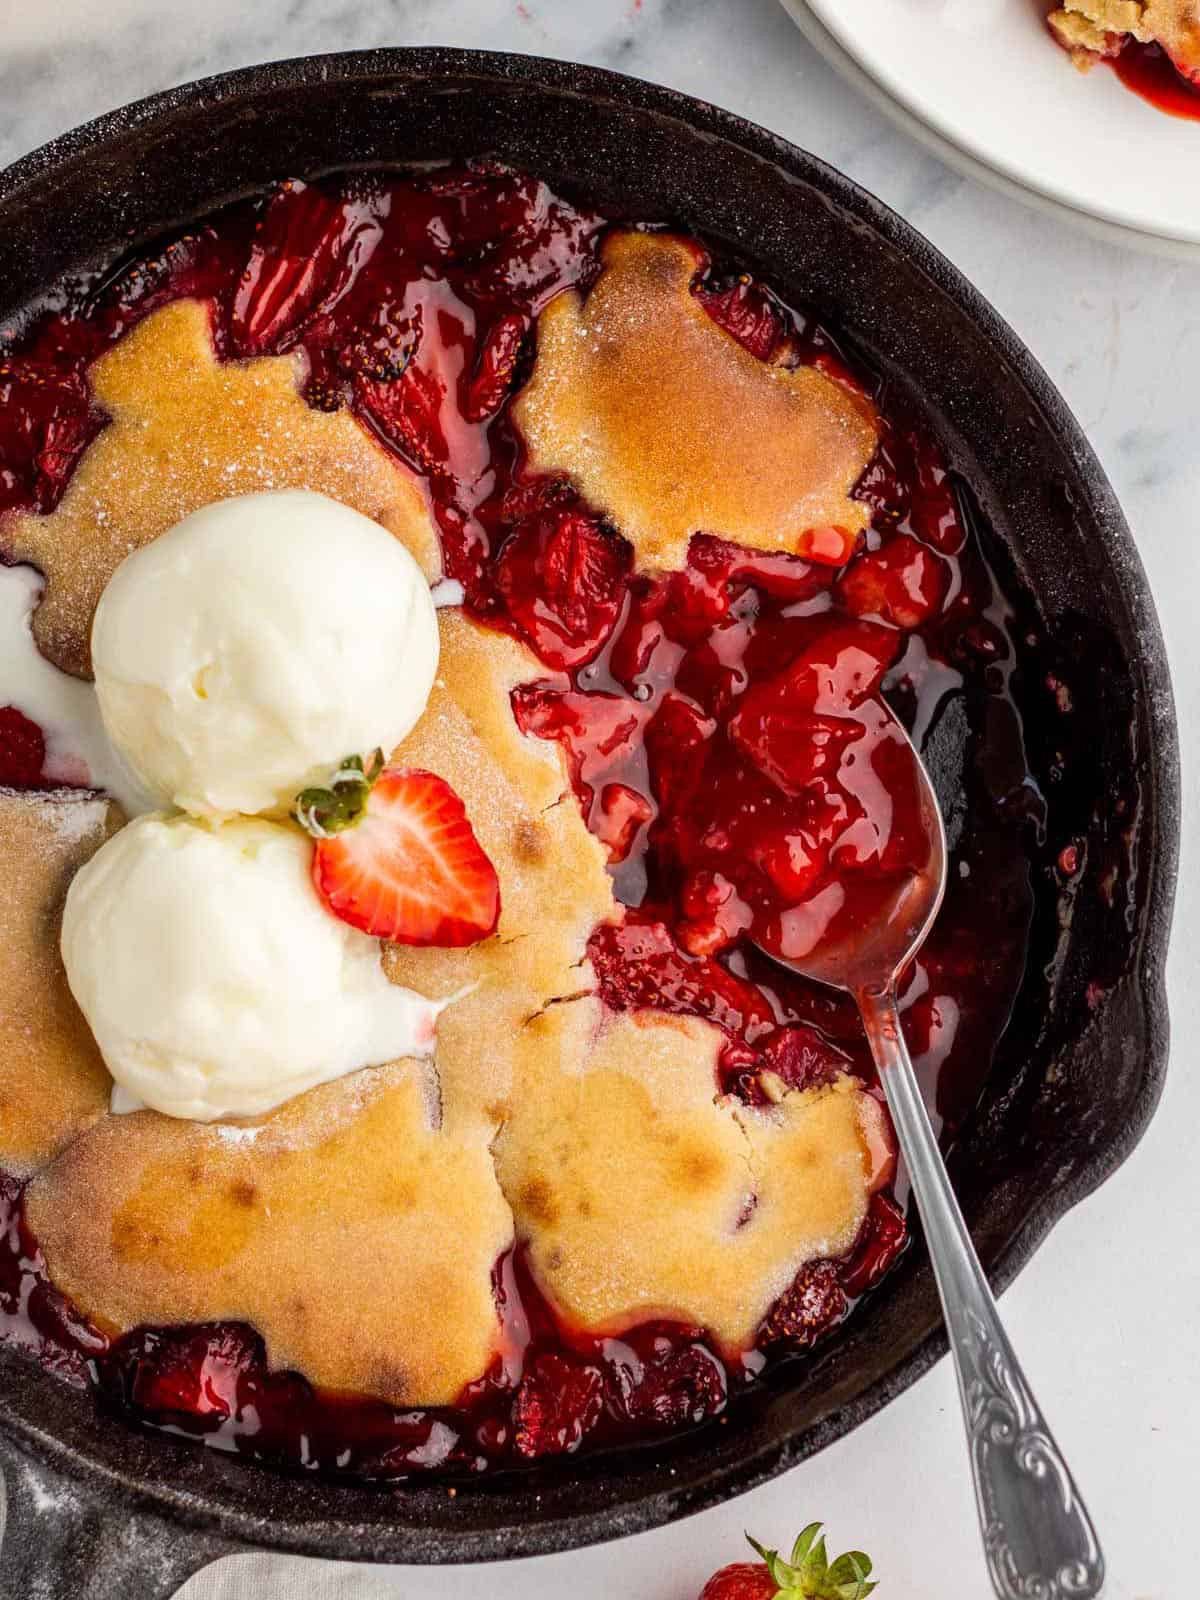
<point>557,1403</point>
<point>795,747</point>
<point>802,1057</point>
<point>831,546</point>
<point>843,666</point>
<point>1188,67</point>
<point>549,247</point>
<point>598,732</point>
<point>494,366</point>
<point>408,410</point>
<point>22,750</point>
<point>890,840</point>
<point>934,515</point>
<point>380,343</point>
<point>308,252</point>
<point>193,1371</point>
<point>640,651</point>
<point>902,583</point>
<point>835,368</point>
<point>715,913</point>
<point>638,964</point>
<point>622,812</point>
<point>410,868</point>
<point>676,739</point>
<point>420,413</point>
<point>745,311</point>
<point>881,1241</point>
<point>793,859</point>
<point>815,1303</point>
<point>788,576</point>
<point>657,1381</point>
<point>46,423</point>
<point>563,578</point>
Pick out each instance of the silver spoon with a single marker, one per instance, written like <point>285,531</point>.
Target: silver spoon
<point>1038,1538</point>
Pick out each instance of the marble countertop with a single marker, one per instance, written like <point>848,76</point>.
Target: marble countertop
<point>1107,1316</point>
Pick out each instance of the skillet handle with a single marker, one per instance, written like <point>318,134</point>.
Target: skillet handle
<point>61,1544</point>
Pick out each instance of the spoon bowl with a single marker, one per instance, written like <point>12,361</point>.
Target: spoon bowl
<point>1038,1538</point>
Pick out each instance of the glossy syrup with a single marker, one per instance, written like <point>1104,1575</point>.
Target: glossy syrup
<point>706,717</point>
<point>1149,71</point>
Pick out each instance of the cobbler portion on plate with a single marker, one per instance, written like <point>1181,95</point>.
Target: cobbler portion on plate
<point>1154,44</point>
<point>687,542</point>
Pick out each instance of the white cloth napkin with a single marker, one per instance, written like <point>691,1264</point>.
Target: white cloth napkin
<point>273,1577</point>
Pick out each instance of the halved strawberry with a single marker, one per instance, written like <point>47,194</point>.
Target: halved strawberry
<point>397,857</point>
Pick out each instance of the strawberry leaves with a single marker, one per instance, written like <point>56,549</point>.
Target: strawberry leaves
<point>809,1574</point>
<point>324,812</point>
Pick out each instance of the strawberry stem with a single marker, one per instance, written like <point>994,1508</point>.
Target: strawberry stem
<point>324,812</point>
<point>810,1575</point>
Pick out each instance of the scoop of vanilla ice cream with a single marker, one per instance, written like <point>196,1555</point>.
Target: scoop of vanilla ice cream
<point>213,978</point>
<point>244,654</point>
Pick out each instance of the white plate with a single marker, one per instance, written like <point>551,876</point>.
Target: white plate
<point>983,82</point>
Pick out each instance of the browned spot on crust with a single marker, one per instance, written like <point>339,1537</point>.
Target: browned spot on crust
<point>242,1192</point>
<point>537,1201</point>
<point>529,841</point>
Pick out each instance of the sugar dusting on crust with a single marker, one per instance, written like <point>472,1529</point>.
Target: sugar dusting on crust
<point>53,1083</point>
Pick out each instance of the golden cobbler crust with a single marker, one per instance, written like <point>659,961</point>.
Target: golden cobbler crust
<point>1090,29</point>
<point>53,1083</point>
<point>354,1234</point>
<point>643,1192</point>
<point>668,425</point>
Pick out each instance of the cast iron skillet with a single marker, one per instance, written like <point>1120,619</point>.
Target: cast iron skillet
<point>97,1510</point>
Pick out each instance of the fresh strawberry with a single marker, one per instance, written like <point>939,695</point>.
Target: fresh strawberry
<point>308,252</point>
<point>397,857</point>
<point>808,1574</point>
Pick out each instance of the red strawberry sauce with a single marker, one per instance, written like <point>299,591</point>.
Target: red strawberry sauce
<point>720,724</point>
<point>1148,70</point>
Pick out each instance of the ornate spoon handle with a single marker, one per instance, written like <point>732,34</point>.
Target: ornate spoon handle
<point>1037,1535</point>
